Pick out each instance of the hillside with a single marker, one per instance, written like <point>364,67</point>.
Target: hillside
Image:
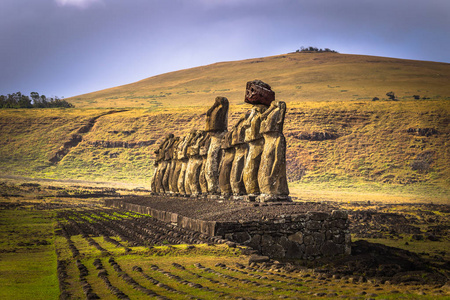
<point>294,77</point>
<point>338,138</point>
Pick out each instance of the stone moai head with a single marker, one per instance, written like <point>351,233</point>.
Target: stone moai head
<point>180,147</point>
<point>259,92</point>
<point>161,151</point>
<point>196,141</point>
<point>183,146</point>
<point>273,118</point>
<point>168,148</point>
<point>174,148</point>
<point>204,144</point>
<point>253,123</point>
<point>227,140</point>
<point>238,136</point>
<point>217,116</point>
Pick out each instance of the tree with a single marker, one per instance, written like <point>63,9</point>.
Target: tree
<point>17,100</point>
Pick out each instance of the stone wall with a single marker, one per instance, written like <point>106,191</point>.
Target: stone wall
<point>307,236</point>
<point>311,235</point>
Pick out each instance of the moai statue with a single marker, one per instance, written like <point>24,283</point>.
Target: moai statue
<point>169,159</point>
<point>183,158</point>
<point>240,148</point>
<point>204,147</point>
<point>216,125</point>
<point>217,116</point>
<point>162,163</point>
<point>255,141</point>
<point>177,156</point>
<point>195,164</point>
<point>191,141</point>
<point>155,172</point>
<point>173,164</point>
<point>226,163</point>
<point>272,178</point>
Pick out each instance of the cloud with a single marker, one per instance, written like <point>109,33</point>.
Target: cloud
<point>77,3</point>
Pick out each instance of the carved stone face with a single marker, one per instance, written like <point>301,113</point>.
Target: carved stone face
<point>204,144</point>
<point>227,139</point>
<point>273,118</point>
<point>258,92</point>
<point>238,136</point>
<point>217,116</point>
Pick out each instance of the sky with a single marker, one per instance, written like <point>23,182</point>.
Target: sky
<point>66,48</point>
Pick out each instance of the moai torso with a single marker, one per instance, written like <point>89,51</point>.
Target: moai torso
<point>178,154</point>
<point>155,172</point>
<point>190,153</point>
<point>168,158</point>
<point>226,163</point>
<point>255,141</point>
<point>173,166</point>
<point>183,158</point>
<point>204,147</point>
<point>272,178</point>
<point>162,163</point>
<point>216,125</point>
<point>195,164</point>
<point>238,141</point>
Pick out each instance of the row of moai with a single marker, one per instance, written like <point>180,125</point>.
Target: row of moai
<point>246,163</point>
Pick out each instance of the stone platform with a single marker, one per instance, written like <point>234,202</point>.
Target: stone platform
<point>277,229</point>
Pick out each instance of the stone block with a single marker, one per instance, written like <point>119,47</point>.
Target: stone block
<point>312,250</point>
<point>348,238</point>
<point>295,250</point>
<point>298,218</point>
<point>273,250</point>
<point>242,237</point>
<point>207,227</point>
<point>313,225</point>
<point>339,223</point>
<point>255,242</point>
<point>266,240</point>
<point>296,237</point>
<point>330,249</point>
<point>318,237</point>
<point>308,240</point>
<point>258,259</point>
<point>317,215</point>
<point>329,235</point>
<point>339,214</point>
<point>347,249</point>
<point>339,238</point>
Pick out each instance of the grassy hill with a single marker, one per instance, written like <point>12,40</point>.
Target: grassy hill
<point>294,77</point>
<point>338,138</point>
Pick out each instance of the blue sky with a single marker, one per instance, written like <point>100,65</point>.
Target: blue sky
<point>69,47</point>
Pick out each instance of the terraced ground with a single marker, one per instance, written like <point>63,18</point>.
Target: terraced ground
<point>93,252</point>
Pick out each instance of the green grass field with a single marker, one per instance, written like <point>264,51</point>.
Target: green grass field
<point>32,244</point>
<point>27,258</point>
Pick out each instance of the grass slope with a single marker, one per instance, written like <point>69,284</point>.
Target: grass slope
<point>294,77</point>
<point>26,241</point>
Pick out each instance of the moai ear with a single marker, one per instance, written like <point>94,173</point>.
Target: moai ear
<point>282,114</point>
